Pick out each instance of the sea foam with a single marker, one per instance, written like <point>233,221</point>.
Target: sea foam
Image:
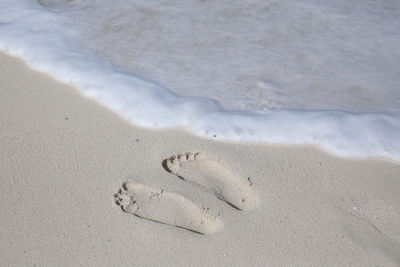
<point>240,71</point>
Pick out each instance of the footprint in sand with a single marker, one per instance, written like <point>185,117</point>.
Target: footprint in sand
<point>209,173</point>
<point>165,207</point>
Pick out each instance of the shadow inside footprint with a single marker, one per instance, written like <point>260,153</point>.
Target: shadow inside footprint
<point>208,173</point>
<point>165,207</point>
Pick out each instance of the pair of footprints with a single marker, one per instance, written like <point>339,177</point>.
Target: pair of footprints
<point>174,209</point>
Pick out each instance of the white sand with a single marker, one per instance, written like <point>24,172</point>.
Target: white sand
<point>164,207</point>
<point>62,157</point>
<point>201,169</point>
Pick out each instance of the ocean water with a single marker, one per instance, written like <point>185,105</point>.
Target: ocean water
<point>288,71</point>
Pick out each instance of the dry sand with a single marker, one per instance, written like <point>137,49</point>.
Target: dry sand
<point>63,157</point>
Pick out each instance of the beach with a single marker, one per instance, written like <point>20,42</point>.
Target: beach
<point>280,72</point>
<point>64,156</point>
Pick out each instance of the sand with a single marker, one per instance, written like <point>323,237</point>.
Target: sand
<point>63,157</point>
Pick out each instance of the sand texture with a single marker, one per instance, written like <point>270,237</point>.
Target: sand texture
<point>63,157</point>
<point>165,207</point>
<point>206,172</point>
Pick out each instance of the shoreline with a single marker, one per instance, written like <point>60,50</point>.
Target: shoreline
<point>315,119</point>
<point>63,156</point>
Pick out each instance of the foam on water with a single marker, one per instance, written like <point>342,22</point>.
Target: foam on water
<point>290,72</point>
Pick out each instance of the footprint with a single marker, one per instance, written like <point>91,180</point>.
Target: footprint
<point>165,207</point>
<point>209,173</point>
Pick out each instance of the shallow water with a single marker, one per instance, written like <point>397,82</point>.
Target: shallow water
<point>253,55</point>
<point>294,72</point>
